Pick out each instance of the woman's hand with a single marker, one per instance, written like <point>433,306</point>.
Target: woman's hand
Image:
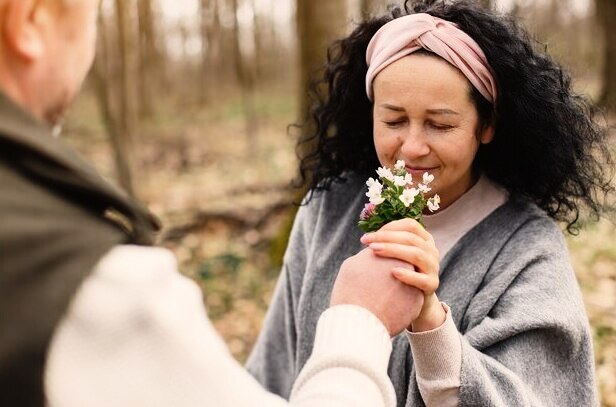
<point>397,304</point>
<point>408,241</point>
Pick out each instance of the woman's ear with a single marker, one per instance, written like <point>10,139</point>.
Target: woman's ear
<point>20,29</point>
<point>487,134</point>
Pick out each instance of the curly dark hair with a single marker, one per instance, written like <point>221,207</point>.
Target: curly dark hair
<point>548,146</point>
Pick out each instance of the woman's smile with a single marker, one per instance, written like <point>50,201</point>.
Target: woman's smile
<point>418,171</point>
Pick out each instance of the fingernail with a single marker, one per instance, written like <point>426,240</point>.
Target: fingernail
<point>365,239</point>
<point>377,246</point>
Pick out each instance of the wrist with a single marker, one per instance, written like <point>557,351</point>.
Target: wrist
<point>432,315</point>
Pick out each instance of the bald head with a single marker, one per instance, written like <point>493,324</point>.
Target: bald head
<point>46,49</point>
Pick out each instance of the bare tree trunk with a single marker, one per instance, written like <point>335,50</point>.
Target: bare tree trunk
<point>274,45</point>
<point>318,24</point>
<point>369,8</point>
<point>204,14</point>
<point>211,38</point>
<point>606,10</point>
<point>128,119</point>
<point>149,58</point>
<point>246,78</point>
<point>516,10</point>
<point>118,143</point>
<point>258,40</point>
<point>486,3</point>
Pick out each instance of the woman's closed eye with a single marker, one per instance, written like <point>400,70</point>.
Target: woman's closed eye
<point>395,123</point>
<point>440,126</point>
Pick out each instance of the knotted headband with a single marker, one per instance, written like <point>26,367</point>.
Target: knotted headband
<point>405,35</point>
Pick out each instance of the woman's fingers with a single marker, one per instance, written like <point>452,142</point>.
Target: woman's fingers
<point>399,237</point>
<point>425,282</point>
<point>410,225</point>
<point>425,261</point>
<point>408,241</point>
<point>403,225</point>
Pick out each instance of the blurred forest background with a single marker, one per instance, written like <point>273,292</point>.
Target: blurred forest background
<point>187,109</point>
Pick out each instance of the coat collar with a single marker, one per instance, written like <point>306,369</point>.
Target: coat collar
<point>57,166</point>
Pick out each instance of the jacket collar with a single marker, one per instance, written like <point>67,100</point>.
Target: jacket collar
<point>57,166</point>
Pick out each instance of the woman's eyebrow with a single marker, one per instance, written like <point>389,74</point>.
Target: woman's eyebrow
<point>442,111</point>
<point>392,107</point>
<point>429,111</point>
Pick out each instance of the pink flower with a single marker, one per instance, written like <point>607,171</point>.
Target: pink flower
<point>367,211</point>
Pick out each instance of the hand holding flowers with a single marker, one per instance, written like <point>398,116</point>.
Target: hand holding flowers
<point>393,197</point>
<point>409,241</point>
<point>394,216</point>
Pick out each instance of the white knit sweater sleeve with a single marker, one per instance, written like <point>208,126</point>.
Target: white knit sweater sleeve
<point>137,334</point>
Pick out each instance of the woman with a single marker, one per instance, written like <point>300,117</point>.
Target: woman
<point>461,93</point>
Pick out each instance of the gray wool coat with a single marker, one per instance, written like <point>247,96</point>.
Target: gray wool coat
<point>510,285</point>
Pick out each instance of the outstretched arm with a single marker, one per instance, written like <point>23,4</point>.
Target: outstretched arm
<point>137,334</point>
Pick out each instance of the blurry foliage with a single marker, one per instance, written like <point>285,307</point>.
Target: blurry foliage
<point>279,243</point>
<point>227,264</point>
<point>594,260</point>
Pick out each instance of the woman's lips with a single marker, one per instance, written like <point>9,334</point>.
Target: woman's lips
<point>419,170</point>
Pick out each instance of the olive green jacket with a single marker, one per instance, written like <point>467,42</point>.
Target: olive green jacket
<point>57,219</point>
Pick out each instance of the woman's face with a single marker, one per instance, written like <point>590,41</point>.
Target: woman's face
<point>424,115</point>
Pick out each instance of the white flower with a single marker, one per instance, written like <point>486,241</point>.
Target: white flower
<point>372,181</point>
<point>375,188</point>
<point>400,165</point>
<point>424,188</point>
<point>427,178</point>
<point>375,197</point>
<point>433,203</point>
<point>374,192</point>
<point>408,196</point>
<point>385,173</point>
<point>399,181</point>
<point>408,178</point>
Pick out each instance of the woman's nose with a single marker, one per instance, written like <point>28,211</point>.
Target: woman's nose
<point>414,143</point>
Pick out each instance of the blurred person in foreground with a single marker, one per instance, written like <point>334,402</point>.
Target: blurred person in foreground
<point>459,92</point>
<point>91,314</point>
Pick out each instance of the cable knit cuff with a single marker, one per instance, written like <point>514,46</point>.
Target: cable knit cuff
<point>352,330</point>
<point>349,336</point>
<point>437,354</point>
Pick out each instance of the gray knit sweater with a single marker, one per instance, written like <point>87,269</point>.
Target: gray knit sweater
<point>509,283</point>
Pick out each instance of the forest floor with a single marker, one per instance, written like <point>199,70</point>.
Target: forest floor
<point>221,193</point>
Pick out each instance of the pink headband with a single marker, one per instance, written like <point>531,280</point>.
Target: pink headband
<point>405,35</point>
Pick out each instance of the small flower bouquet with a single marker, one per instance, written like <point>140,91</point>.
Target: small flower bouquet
<point>393,197</point>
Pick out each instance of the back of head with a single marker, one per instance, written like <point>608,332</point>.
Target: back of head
<point>46,50</point>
